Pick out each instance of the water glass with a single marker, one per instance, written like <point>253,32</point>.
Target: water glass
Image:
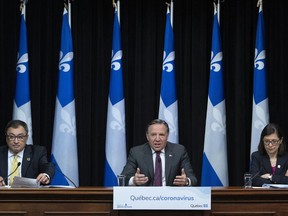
<point>248,180</point>
<point>121,180</point>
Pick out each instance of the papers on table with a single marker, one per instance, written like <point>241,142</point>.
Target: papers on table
<point>275,185</point>
<point>58,186</point>
<point>21,182</point>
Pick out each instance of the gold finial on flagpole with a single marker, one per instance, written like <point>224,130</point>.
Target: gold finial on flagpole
<point>22,2</point>
<point>114,3</point>
<point>67,3</point>
<point>215,6</point>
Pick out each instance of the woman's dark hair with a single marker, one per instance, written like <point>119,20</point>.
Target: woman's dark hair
<point>268,130</point>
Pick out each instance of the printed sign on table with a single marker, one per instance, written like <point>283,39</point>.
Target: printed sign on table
<point>162,198</point>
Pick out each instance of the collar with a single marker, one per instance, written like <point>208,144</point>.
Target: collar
<point>162,151</point>
<point>19,154</point>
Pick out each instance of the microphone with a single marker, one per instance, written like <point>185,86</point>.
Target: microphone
<point>257,173</point>
<point>4,179</point>
<point>58,170</point>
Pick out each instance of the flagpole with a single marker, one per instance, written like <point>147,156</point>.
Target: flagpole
<point>260,109</point>
<point>69,13</point>
<point>65,129</point>
<point>172,12</point>
<point>168,103</point>
<point>214,165</point>
<point>218,11</point>
<point>23,4</point>
<point>22,101</point>
<point>118,9</point>
<point>115,144</point>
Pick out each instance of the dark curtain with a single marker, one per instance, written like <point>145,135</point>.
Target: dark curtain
<point>142,27</point>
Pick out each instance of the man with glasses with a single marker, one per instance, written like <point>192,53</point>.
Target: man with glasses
<point>18,158</point>
<point>270,162</point>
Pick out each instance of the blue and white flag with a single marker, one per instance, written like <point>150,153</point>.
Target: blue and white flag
<point>260,113</point>
<point>64,143</point>
<point>22,102</point>
<point>115,128</point>
<point>214,167</point>
<point>168,107</point>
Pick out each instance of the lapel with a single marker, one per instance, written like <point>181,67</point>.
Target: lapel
<point>169,154</point>
<point>27,158</point>
<point>280,164</point>
<point>4,161</point>
<point>266,164</point>
<point>147,157</point>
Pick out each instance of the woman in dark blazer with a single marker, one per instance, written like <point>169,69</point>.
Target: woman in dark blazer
<point>270,162</point>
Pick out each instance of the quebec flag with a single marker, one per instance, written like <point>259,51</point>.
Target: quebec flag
<point>22,102</point>
<point>168,107</point>
<point>214,167</point>
<point>260,113</point>
<point>115,128</point>
<point>64,143</point>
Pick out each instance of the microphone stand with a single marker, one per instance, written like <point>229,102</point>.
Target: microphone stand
<point>4,179</point>
<point>64,175</point>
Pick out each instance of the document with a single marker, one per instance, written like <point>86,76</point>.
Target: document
<point>275,185</point>
<point>21,182</point>
<point>58,186</point>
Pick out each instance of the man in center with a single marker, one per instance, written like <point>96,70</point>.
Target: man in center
<point>143,163</point>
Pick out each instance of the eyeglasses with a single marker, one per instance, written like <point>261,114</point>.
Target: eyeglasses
<point>18,137</point>
<point>273,142</point>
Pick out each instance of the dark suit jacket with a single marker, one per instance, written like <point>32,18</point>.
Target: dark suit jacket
<point>176,158</point>
<point>34,162</point>
<point>261,165</point>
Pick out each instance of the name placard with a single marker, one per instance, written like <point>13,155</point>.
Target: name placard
<point>162,198</point>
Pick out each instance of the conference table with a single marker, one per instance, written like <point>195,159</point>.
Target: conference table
<point>225,201</point>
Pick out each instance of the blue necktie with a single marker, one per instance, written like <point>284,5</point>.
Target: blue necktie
<point>158,170</point>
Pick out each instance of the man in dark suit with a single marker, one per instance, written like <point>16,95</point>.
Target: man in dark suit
<point>176,167</point>
<point>32,159</point>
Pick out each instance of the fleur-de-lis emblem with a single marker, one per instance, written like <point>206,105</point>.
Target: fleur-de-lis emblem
<point>258,60</point>
<point>167,66</point>
<point>119,120</point>
<point>68,124</point>
<point>115,65</point>
<point>215,66</point>
<point>220,119</point>
<point>21,68</point>
<point>64,63</point>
